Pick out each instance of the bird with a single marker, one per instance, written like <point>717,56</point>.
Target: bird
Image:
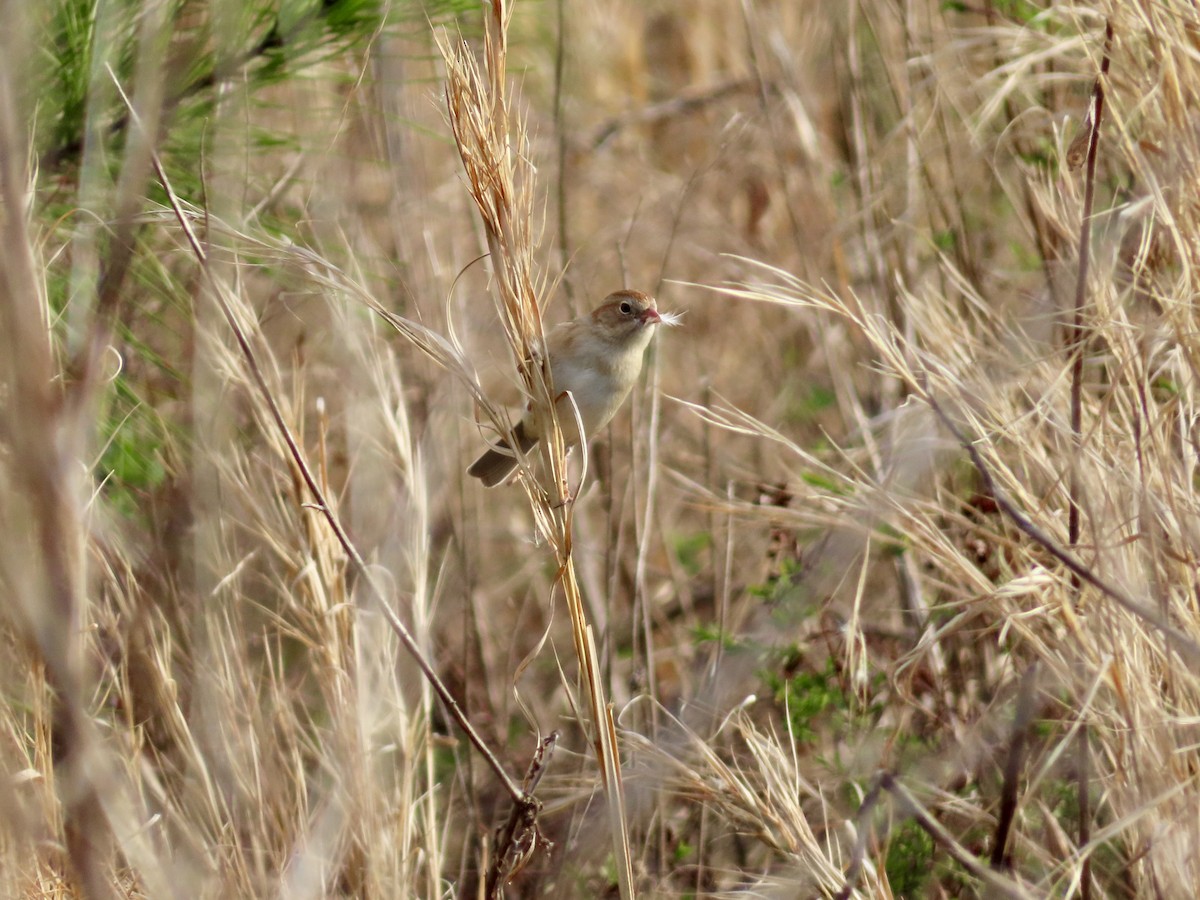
<point>596,359</point>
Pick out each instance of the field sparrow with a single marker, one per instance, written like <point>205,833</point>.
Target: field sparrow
<point>597,359</point>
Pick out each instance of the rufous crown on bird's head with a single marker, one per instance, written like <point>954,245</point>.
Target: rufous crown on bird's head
<point>626,311</point>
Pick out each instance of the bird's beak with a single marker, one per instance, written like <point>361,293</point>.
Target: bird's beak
<point>650,317</point>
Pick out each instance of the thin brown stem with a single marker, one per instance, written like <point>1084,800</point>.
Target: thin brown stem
<point>1082,774</point>
<point>1182,644</point>
<point>782,168</point>
<point>520,836</point>
<point>1076,335</point>
<point>322,506</point>
<point>1012,766</point>
<point>1076,339</point>
<point>997,885</point>
<point>41,448</point>
<point>564,234</point>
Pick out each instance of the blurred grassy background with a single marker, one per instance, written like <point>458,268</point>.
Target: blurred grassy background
<point>847,659</point>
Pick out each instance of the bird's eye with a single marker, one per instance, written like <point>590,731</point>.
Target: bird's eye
<point>626,309</point>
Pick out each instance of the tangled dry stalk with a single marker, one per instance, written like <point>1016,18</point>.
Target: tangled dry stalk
<point>499,178</point>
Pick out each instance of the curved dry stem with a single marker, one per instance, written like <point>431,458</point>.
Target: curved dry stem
<point>492,146</point>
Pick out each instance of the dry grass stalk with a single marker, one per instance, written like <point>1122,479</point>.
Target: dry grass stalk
<point>45,424</point>
<point>304,473</point>
<point>1076,340</point>
<point>500,182</point>
<point>1005,393</point>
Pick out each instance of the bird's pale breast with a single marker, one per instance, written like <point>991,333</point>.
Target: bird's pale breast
<point>598,381</point>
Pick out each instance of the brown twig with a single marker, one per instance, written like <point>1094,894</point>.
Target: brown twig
<point>1076,339</point>
<point>83,369</point>
<point>1083,777</point>
<point>997,885</point>
<point>783,167</point>
<point>687,101</point>
<point>41,440</point>
<point>564,234</point>
<point>1183,644</point>
<point>1022,719</point>
<point>1076,334</point>
<point>397,625</point>
<point>520,837</point>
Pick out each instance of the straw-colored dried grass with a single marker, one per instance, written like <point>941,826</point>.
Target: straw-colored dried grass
<point>823,568</point>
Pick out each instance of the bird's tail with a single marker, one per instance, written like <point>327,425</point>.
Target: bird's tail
<point>499,461</point>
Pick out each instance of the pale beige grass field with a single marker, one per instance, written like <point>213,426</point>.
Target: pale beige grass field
<point>865,213</point>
